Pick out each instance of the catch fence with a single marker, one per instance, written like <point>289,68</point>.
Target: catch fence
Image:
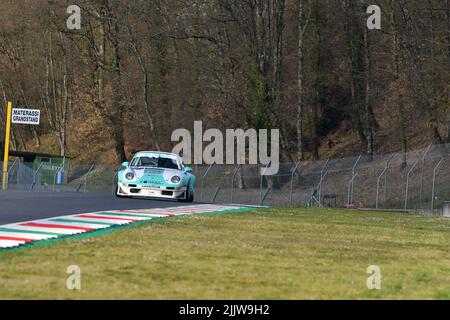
<point>417,180</point>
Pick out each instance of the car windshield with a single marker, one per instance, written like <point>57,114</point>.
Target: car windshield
<point>155,162</point>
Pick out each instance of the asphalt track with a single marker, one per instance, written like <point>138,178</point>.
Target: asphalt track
<point>18,206</point>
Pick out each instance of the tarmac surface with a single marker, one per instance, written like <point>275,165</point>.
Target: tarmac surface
<point>19,206</point>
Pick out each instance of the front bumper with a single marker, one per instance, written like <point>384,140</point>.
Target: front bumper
<point>151,192</point>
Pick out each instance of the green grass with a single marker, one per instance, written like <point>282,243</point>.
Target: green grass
<point>267,254</point>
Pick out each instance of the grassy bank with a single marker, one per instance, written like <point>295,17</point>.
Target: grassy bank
<point>266,254</point>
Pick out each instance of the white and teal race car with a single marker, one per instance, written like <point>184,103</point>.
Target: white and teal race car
<point>156,175</point>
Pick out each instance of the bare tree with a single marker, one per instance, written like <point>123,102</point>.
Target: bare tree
<point>137,48</point>
<point>303,22</point>
<point>397,78</point>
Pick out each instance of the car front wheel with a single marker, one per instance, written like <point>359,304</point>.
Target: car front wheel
<point>117,192</point>
<point>189,195</point>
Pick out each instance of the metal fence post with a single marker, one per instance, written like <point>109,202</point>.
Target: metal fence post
<point>292,181</point>
<point>422,172</point>
<point>215,195</point>
<point>323,174</point>
<point>35,176</point>
<point>350,185</point>
<point>322,179</point>
<point>353,179</point>
<point>8,173</point>
<point>261,182</point>
<point>433,188</point>
<point>203,180</point>
<point>386,176</point>
<point>407,184</point>
<point>319,189</point>
<point>265,196</point>
<point>386,168</point>
<point>86,177</point>
<point>324,167</point>
<point>232,181</point>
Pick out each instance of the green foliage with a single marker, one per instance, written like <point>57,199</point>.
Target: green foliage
<point>261,108</point>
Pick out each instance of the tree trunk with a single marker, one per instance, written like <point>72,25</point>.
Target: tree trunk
<point>318,83</point>
<point>302,25</point>
<point>117,103</point>
<point>358,48</point>
<point>369,114</point>
<point>145,88</point>
<point>447,140</point>
<point>396,53</point>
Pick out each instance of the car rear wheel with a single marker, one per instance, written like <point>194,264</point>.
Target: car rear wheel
<point>190,197</point>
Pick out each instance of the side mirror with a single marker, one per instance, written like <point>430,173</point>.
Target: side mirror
<point>125,164</point>
<point>189,170</point>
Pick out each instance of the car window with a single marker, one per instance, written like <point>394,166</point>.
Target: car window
<point>145,162</point>
<point>167,163</point>
<point>149,162</point>
<point>162,162</point>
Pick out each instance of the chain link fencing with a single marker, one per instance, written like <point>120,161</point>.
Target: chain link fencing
<point>417,180</point>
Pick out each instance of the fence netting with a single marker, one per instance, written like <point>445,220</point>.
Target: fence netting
<point>413,180</point>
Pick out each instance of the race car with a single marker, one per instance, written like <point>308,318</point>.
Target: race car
<point>156,175</point>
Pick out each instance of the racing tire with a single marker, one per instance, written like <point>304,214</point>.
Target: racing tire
<point>190,195</point>
<point>117,192</point>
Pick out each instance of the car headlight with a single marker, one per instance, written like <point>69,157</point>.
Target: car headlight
<point>175,179</point>
<point>129,176</point>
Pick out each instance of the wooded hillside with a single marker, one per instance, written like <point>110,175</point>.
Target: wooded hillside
<point>139,69</point>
